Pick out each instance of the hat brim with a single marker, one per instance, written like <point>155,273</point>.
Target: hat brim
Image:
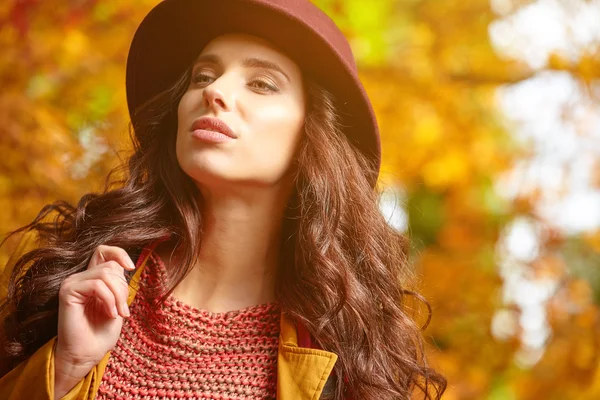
<point>174,32</point>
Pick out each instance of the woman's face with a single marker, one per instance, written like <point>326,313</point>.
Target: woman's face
<point>257,92</point>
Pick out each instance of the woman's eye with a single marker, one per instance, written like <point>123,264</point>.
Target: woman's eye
<point>265,85</point>
<point>261,84</point>
<point>199,77</point>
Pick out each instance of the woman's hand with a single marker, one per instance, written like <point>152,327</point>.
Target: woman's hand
<point>92,305</point>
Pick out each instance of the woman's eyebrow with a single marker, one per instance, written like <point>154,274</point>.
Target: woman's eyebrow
<point>247,62</point>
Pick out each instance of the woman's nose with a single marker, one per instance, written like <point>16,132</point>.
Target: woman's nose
<point>219,94</point>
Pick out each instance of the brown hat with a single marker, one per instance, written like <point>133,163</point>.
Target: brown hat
<point>174,32</point>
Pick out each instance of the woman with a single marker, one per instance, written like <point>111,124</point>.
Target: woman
<point>244,255</point>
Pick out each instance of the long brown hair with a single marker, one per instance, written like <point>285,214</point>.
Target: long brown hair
<point>343,273</point>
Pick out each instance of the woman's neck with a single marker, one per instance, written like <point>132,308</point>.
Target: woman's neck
<point>239,253</point>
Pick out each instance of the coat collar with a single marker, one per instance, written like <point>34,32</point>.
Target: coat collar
<point>301,371</point>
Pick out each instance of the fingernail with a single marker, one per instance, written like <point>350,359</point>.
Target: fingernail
<point>131,264</point>
<point>126,310</point>
<point>115,313</point>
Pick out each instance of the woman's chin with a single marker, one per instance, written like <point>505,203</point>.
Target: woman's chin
<point>211,176</point>
<point>208,173</point>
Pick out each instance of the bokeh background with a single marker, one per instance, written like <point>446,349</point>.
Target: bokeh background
<point>490,116</point>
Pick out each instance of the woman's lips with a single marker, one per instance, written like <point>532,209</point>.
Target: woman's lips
<point>210,136</point>
<point>212,130</point>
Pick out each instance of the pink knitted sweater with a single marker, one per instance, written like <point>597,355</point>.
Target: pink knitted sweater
<point>175,351</point>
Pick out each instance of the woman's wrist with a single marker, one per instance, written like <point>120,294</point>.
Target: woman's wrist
<point>63,383</point>
<point>66,377</point>
<point>67,374</point>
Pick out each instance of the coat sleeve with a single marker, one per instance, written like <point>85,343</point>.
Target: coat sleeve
<point>33,379</point>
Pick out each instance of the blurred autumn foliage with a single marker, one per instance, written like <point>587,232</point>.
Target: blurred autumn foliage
<point>433,74</point>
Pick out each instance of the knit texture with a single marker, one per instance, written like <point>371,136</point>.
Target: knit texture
<point>175,351</point>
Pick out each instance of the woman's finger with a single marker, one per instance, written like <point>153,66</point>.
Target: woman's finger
<point>92,288</point>
<point>105,253</point>
<point>111,273</point>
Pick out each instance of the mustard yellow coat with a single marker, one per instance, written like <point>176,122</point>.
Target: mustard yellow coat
<point>301,372</point>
